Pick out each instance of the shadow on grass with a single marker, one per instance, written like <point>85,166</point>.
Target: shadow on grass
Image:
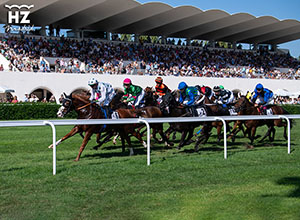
<point>12,169</point>
<point>291,181</point>
<point>137,151</point>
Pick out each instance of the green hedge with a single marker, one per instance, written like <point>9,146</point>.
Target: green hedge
<point>292,109</point>
<point>26,111</point>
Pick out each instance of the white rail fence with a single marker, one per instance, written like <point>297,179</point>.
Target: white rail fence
<point>147,122</point>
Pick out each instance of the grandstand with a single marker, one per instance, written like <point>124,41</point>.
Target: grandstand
<point>211,49</point>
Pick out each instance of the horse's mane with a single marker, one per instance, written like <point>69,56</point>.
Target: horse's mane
<point>149,89</point>
<point>82,97</point>
<point>119,90</point>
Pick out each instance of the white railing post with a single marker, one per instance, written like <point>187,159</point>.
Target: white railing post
<point>289,131</point>
<point>225,135</point>
<point>53,143</point>
<point>148,139</point>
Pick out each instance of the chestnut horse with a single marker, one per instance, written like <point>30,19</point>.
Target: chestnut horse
<point>87,110</point>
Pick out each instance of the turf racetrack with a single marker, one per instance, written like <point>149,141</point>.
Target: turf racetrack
<point>262,183</point>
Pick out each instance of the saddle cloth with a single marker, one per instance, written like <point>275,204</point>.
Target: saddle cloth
<point>269,111</point>
<point>115,115</point>
<point>232,112</point>
<point>197,111</point>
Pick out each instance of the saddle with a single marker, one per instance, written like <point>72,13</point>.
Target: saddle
<point>265,110</point>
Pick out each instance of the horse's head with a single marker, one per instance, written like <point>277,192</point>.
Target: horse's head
<point>66,106</point>
<point>148,90</point>
<point>116,102</point>
<point>168,101</point>
<point>241,104</point>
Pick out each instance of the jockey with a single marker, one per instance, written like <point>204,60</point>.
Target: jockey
<point>223,96</point>
<point>132,93</point>
<point>249,95</point>
<point>160,89</point>
<point>188,95</point>
<point>102,93</point>
<point>206,91</point>
<point>262,97</point>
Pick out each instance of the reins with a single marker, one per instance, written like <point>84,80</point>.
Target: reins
<point>86,105</point>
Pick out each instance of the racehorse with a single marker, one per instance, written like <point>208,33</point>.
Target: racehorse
<point>126,111</point>
<point>244,107</point>
<point>150,99</point>
<point>170,108</point>
<point>87,110</point>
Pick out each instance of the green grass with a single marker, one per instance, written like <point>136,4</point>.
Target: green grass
<point>263,183</point>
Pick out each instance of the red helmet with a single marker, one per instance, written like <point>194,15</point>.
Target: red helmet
<point>127,81</point>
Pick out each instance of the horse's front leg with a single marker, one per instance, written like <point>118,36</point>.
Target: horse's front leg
<point>87,136</point>
<point>268,133</point>
<point>183,135</point>
<point>74,131</point>
<point>252,135</point>
<point>106,139</point>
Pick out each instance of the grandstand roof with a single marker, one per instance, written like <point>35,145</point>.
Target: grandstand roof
<point>154,18</point>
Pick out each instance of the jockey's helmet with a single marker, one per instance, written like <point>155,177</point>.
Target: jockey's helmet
<point>92,82</point>
<point>221,87</point>
<point>127,81</point>
<point>217,89</point>
<point>259,87</point>
<point>159,80</point>
<point>182,85</point>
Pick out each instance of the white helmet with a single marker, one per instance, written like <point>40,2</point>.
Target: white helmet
<point>92,81</point>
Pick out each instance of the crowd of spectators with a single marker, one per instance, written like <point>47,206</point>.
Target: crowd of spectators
<point>27,98</point>
<point>282,100</point>
<point>89,56</point>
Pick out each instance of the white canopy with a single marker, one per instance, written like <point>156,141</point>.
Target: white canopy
<point>4,89</point>
<point>283,92</point>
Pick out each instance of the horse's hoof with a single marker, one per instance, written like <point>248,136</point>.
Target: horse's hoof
<point>50,146</point>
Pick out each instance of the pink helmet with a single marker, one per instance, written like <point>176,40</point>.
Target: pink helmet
<point>127,81</point>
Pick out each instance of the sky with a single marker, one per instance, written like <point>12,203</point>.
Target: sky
<point>280,9</point>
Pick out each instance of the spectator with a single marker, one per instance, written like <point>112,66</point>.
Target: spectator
<point>33,98</point>
<point>1,67</point>
<point>52,99</point>
<point>15,100</point>
<point>26,98</point>
<point>57,31</point>
<point>61,98</point>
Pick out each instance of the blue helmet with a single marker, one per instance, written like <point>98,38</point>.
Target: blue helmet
<point>259,87</point>
<point>182,85</point>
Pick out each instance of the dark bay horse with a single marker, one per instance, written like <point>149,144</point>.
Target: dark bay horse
<point>170,108</point>
<point>244,107</point>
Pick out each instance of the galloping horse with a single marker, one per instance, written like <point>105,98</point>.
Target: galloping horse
<point>170,108</point>
<point>87,110</point>
<point>244,107</point>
